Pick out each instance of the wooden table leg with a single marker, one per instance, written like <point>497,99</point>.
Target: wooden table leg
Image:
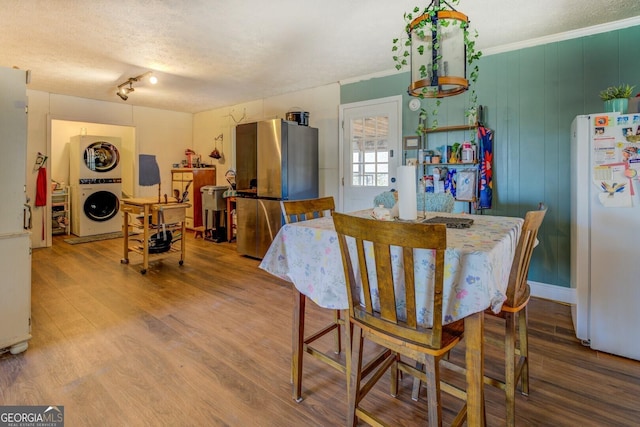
<point>125,235</point>
<point>183,240</point>
<point>474,358</point>
<point>228,220</point>
<point>145,234</point>
<point>231,202</point>
<point>297,344</point>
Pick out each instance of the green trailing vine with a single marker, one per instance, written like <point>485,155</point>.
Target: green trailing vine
<point>401,53</point>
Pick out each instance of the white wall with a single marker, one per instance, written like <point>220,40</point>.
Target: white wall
<point>166,134</point>
<point>162,133</point>
<point>321,103</point>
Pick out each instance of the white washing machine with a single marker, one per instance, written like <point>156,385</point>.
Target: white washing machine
<point>95,206</point>
<point>93,156</point>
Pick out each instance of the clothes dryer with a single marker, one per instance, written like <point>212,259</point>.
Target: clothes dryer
<point>93,156</point>
<point>95,206</point>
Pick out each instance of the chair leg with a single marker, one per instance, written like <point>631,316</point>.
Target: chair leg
<point>433,392</point>
<point>395,377</point>
<point>338,335</point>
<point>415,393</point>
<point>355,344</point>
<point>524,350</point>
<point>510,367</point>
<point>299,301</point>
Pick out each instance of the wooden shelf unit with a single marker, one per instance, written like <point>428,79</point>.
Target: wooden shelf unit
<point>195,178</point>
<point>451,128</point>
<point>424,168</point>
<point>60,211</point>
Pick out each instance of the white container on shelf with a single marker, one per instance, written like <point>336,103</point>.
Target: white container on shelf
<point>467,154</point>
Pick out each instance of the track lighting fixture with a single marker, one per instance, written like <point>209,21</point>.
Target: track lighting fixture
<point>124,91</point>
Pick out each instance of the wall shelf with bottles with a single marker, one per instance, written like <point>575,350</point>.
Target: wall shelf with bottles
<point>464,171</point>
<point>60,218</point>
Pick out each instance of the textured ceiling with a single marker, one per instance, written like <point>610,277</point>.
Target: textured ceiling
<point>215,53</point>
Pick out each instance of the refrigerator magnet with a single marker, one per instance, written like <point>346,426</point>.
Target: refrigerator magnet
<point>602,121</point>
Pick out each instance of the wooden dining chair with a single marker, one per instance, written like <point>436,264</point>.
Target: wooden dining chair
<point>375,316</point>
<point>295,211</point>
<point>514,312</point>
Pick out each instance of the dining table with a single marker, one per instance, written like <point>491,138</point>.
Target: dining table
<point>477,265</point>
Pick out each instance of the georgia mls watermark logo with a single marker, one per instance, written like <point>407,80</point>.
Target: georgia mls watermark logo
<point>31,416</point>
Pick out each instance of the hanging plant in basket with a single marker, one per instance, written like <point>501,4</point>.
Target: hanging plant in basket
<point>441,52</point>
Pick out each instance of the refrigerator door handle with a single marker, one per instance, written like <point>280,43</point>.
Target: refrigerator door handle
<point>268,219</point>
<point>27,217</point>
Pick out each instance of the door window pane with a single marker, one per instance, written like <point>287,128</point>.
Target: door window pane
<point>370,151</point>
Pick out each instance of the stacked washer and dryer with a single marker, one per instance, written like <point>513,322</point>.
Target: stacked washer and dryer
<point>96,184</point>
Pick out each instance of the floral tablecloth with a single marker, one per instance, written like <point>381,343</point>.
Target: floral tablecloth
<point>477,264</point>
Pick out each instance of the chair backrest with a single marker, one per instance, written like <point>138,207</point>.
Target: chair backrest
<point>302,210</point>
<point>382,235</point>
<point>522,259</point>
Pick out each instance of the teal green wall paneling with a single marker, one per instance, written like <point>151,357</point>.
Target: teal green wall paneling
<point>529,83</point>
<point>629,62</point>
<point>601,67</point>
<point>511,140</point>
<point>547,250</point>
<point>491,94</point>
<point>571,70</point>
<point>382,87</point>
<point>531,96</point>
<point>571,102</point>
<point>531,103</point>
<point>374,88</point>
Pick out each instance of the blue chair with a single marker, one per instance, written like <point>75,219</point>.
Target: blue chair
<point>386,199</point>
<point>433,202</point>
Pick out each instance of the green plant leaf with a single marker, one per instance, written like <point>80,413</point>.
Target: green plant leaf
<point>428,39</point>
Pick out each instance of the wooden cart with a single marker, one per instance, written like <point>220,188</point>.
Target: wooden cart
<point>143,217</point>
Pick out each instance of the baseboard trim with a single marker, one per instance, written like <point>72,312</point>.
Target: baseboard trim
<point>553,292</point>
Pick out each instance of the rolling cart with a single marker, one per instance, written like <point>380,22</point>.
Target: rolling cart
<point>161,225</point>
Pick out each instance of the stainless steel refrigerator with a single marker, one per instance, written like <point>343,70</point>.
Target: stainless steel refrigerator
<point>275,160</point>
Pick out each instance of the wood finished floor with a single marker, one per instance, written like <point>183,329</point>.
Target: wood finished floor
<point>209,344</point>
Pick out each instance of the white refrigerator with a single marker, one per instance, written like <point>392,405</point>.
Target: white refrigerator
<point>605,231</point>
<point>15,239</point>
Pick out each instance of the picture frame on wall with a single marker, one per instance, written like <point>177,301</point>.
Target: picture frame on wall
<point>410,142</point>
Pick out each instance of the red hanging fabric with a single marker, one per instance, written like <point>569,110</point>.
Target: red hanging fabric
<point>41,187</point>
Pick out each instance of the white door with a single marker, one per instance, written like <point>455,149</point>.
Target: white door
<point>369,141</point>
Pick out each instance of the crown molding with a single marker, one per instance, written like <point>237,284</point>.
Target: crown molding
<point>568,35</point>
